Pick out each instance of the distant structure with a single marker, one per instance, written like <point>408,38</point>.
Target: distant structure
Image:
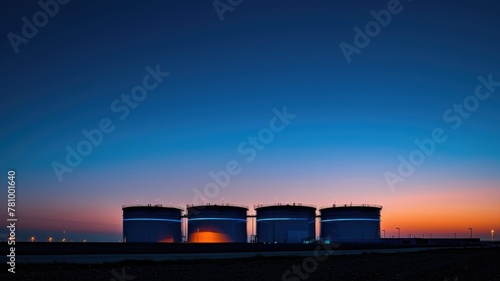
<point>151,223</point>
<point>217,223</point>
<point>350,223</point>
<point>227,223</point>
<point>285,223</point>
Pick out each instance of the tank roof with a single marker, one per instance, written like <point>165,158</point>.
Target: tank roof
<point>351,205</point>
<point>216,205</point>
<point>284,205</point>
<point>151,206</point>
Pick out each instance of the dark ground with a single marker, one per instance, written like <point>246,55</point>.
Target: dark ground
<point>443,264</point>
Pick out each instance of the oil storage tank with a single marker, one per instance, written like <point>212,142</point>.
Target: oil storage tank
<point>212,223</point>
<point>350,223</point>
<point>285,223</point>
<point>151,223</point>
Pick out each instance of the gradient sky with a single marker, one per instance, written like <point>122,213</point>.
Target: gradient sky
<point>352,121</point>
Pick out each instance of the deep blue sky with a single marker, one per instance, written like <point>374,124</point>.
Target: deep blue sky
<point>353,119</point>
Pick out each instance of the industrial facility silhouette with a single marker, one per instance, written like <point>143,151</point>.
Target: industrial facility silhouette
<point>277,223</point>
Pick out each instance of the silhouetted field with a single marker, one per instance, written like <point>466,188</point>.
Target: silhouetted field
<point>443,264</point>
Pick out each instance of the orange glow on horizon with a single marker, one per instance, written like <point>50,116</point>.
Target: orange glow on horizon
<point>440,207</point>
<point>444,213</point>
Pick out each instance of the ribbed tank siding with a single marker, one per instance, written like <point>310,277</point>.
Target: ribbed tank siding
<point>217,224</point>
<point>152,224</point>
<point>285,223</point>
<point>350,223</point>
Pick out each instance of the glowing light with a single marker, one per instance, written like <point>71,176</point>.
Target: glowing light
<point>216,219</point>
<point>351,219</point>
<point>284,219</point>
<point>167,240</point>
<point>209,237</point>
<point>150,219</point>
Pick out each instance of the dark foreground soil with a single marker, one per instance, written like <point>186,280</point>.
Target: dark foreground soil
<point>449,264</point>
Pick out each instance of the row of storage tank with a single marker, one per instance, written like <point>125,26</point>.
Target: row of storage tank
<point>278,223</point>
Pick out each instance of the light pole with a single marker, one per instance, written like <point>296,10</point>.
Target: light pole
<point>64,235</point>
<point>399,231</point>
<point>455,235</point>
<point>470,228</point>
<point>384,232</point>
<point>492,235</point>
<point>50,239</point>
<point>33,238</point>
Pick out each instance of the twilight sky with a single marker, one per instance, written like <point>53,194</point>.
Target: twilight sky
<point>351,119</point>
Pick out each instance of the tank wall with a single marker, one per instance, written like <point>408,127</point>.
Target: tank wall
<point>152,224</point>
<point>283,224</point>
<point>350,224</point>
<point>217,224</point>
